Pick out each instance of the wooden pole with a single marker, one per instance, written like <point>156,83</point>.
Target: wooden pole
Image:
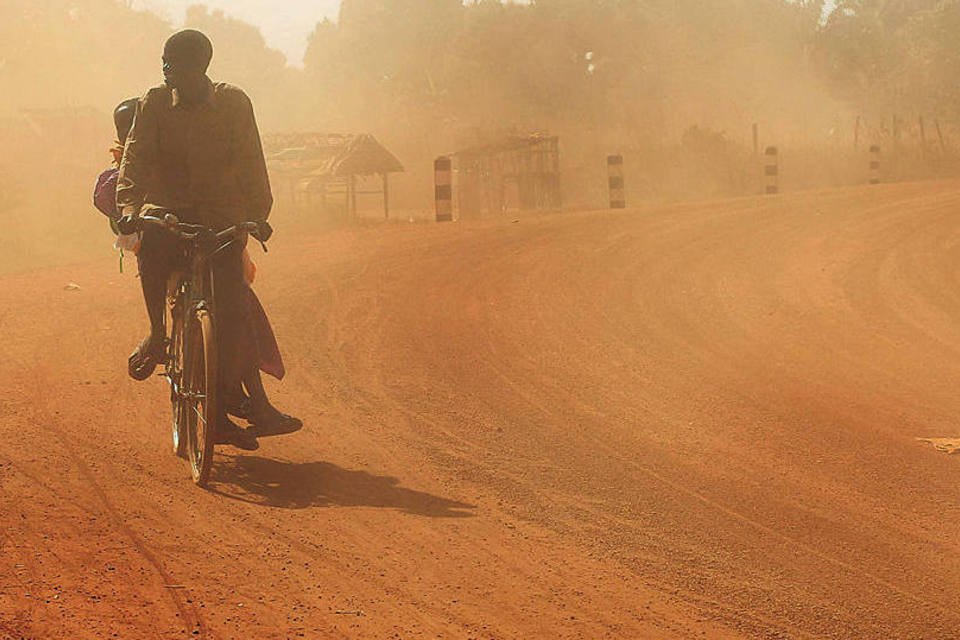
<point>386,196</point>
<point>352,189</point>
<point>856,134</point>
<point>756,139</point>
<point>943,145</point>
<point>896,137</point>
<point>923,139</point>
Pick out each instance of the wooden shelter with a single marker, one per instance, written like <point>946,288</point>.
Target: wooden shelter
<point>323,167</point>
<point>516,172</point>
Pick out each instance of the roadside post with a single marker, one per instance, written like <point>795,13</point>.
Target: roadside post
<point>771,170</point>
<point>618,199</point>
<point>443,188</point>
<point>874,164</point>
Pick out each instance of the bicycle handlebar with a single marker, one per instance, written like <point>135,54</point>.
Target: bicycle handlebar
<point>186,230</point>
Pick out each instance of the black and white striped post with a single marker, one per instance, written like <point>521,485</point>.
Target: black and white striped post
<point>771,170</point>
<point>618,198</point>
<point>443,188</point>
<point>875,164</point>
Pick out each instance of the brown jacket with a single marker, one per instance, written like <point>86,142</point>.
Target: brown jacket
<point>203,161</point>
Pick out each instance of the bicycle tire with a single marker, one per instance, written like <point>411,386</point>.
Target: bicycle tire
<point>179,404</point>
<point>201,426</point>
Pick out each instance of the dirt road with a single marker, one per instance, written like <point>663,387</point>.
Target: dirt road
<point>677,422</point>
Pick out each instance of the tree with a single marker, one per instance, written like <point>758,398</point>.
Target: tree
<point>72,53</point>
<point>242,57</point>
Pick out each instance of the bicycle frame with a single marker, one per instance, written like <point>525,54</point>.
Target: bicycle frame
<point>191,343</point>
<point>194,290</point>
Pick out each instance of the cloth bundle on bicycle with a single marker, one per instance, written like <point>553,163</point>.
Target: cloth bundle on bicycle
<point>105,196</point>
<point>105,191</point>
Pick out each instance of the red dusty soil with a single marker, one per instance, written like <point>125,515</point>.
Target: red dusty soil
<point>696,421</point>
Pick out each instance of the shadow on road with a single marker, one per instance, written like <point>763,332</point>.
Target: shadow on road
<point>298,485</point>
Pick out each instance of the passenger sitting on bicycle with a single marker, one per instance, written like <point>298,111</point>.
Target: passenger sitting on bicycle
<point>195,150</point>
<point>105,191</point>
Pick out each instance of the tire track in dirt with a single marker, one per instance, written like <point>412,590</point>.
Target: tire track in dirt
<point>640,270</point>
<point>505,351</point>
<point>667,422</point>
<point>190,617</point>
<point>7,626</point>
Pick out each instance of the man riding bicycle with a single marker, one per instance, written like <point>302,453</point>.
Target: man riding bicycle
<point>194,150</point>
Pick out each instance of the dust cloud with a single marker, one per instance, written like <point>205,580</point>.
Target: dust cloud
<point>676,86</point>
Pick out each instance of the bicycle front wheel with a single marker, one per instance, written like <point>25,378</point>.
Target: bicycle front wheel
<point>202,396</point>
<point>178,385</point>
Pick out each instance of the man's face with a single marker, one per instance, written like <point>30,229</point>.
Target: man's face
<point>172,75</point>
<point>178,73</point>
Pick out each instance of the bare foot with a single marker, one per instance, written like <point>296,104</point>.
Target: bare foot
<point>144,360</point>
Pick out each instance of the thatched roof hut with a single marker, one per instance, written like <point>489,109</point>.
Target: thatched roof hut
<point>324,162</point>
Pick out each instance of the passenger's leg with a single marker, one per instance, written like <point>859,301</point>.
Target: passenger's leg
<point>268,419</point>
<point>235,346</point>
<point>237,402</point>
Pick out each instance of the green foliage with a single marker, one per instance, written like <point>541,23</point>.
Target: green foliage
<point>242,57</point>
<point>624,70</point>
<point>72,53</point>
<point>893,55</point>
<point>428,75</point>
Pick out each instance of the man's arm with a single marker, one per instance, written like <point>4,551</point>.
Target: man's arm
<point>254,181</point>
<point>139,157</point>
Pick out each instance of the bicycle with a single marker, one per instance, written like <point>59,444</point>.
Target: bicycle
<point>190,364</point>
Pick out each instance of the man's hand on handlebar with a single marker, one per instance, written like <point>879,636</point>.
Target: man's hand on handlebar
<point>263,232</point>
<point>128,225</point>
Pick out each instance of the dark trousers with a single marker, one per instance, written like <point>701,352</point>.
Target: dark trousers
<point>161,255</point>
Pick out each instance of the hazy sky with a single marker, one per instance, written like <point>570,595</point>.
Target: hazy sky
<point>285,24</point>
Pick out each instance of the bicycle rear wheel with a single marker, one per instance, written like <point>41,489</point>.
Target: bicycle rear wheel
<point>201,396</point>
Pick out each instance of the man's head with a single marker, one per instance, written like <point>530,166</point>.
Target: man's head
<point>186,56</point>
<point>123,118</point>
